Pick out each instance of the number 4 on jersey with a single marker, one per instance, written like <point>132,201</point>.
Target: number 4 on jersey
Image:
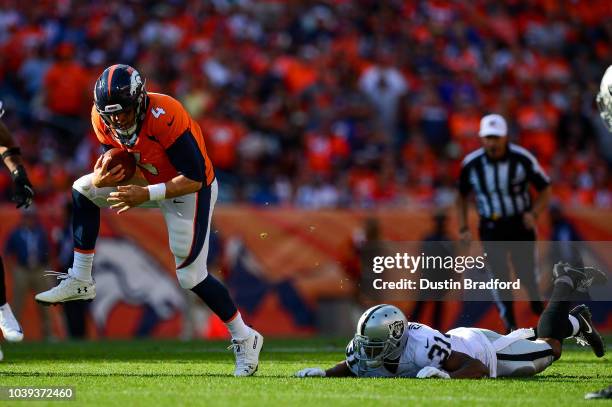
<point>158,111</point>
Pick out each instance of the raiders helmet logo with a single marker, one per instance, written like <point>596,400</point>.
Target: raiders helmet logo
<point>396,329</point>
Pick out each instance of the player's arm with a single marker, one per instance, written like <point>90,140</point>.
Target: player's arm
<point>11,156</point>
<point>185,156</point>
<point>340,370</point>
<point>541,202</point>
<point>462,366</point>
<point>540,180</point>
<point>462,209</point>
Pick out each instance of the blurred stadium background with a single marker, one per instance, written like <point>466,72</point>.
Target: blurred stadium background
<point>322,118</point>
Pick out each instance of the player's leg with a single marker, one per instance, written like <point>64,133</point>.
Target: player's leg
<point>188,219</point>
<point>519,353</point>
<point>497,258</point>
<point>557,322</point>
<point>525,357</point>
<point>523,261</point>
<point>8,323</point>
<point>77,284</point>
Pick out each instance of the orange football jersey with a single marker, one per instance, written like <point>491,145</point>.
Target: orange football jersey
<point>165,121</point>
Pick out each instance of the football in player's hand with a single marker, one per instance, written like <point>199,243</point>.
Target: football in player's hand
<point>119,156</point>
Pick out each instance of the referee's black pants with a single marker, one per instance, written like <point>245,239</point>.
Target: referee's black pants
<point>521,252</point>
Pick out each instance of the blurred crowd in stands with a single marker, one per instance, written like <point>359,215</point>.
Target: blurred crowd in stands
<point>321,103</point>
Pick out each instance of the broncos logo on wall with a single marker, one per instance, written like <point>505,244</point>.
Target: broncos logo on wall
<point>126,273</point>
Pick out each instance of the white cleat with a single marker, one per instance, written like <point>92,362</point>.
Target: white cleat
<point>247,353</point>
<point>8,324</point>
<point>69,289</point>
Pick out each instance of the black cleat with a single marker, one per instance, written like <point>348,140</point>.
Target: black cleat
<point>601,394</point>
<point>587,334</point>
<point>582,277</point>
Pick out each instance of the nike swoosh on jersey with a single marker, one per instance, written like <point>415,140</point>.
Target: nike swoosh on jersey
<point>171,121</point>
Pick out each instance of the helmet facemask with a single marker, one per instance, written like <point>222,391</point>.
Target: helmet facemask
<point>604,104</point>
<point>372,354</point>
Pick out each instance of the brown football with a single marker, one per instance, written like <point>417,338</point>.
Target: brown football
<point>118,156</point>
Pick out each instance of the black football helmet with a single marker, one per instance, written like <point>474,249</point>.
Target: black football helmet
<point>120,88</point>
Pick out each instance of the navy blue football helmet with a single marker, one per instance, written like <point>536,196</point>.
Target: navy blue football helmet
<point>119,89</point>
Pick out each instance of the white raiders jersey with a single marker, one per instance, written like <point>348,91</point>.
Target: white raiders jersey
<point>423,346</point>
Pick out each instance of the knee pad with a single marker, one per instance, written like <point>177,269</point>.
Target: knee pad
<point>98,196</point>
<point>192,275</point>
<point>84,185</point>
<point>542,363</point>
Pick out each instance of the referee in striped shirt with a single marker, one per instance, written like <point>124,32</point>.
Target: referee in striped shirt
<point>500,175</point>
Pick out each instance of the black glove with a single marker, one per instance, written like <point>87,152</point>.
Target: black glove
<point>23,193</point>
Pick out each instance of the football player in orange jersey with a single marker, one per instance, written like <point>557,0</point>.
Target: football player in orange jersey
<point>169,149</point>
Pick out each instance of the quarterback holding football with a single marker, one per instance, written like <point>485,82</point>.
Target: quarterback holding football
<point>168,147</point>
<point>387,345</point>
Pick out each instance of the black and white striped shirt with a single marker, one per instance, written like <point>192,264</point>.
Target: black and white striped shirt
<point>502,186</point>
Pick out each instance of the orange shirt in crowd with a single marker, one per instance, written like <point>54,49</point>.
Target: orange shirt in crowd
<point>222,139</point>
<point>464,128</point>
<point>537,130</point>
<point>67,88</point>
<point>363,183</point>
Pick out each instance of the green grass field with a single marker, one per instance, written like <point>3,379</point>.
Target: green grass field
<point>161,373</point>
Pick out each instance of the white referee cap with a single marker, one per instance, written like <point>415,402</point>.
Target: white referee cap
<point>493,125</point>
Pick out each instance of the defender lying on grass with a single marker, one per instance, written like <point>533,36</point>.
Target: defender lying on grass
<point>387,345</point>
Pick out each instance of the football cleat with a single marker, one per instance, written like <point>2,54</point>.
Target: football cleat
<point>69,289</point>
<point>1,355</point>
<point>582,277</point>
<point>587,334</point>
<point>8,324</point>
<point>601,394</point>
<point>247,353</point>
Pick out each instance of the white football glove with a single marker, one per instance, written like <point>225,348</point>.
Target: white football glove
<point>311,372</point>
<point>430,371</point>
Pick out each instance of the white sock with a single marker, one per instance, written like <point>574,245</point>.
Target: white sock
<point>238,329</point>
<point>81,266</point>
<point>575,324</point>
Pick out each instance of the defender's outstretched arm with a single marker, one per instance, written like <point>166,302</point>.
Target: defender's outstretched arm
<point>340,370</point>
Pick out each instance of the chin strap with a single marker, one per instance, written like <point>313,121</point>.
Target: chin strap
<point>129,142</point>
